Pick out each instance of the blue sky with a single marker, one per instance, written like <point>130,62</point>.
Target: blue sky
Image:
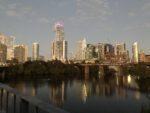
<point>109,21</point>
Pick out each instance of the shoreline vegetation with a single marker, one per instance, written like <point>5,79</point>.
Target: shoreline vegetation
<point>40,69</point>
<point>57,70</point>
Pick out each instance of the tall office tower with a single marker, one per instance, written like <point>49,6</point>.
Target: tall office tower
<point>59,45</point>
<point>142,57</point>
<point>9,42</point>
<point>20,53</point>
<point>35,51</point>
<point>90,52</point>
<point>80,52</point>
<point>3,53</point>
<point>100,48</point>
<point>120,48</point>
<point>135,52</point>
<point>120,52</point>
<point>109,51</point>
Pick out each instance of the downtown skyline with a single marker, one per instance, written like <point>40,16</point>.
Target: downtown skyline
<point>103,21</point>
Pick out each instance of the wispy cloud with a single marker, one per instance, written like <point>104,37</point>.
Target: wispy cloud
<point>44,20</point>
<point>131,14</point>
<point>17,10</point>
<point>12,13</point>
<point>12,6</point>
<point>146,6</point>
<point>93,9</point>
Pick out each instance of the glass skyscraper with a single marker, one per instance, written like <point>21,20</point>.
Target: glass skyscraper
<point>59,45</point>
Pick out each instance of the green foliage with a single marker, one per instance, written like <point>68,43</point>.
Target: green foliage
<point>53,69</point>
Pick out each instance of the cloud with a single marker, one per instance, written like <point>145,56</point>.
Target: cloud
<point>44,20</point>
<point>131,14</point>
<point>147,25</point>
<point>12,6</point>
<point>12,13</point>
<point>17,10</point>
<point>146,6</point>
<point>88,10</point>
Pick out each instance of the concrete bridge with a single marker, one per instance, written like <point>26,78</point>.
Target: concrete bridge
<point>101,68</point>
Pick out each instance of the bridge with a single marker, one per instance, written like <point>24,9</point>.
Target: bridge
<point>100,68</point>
<point>11,101</point>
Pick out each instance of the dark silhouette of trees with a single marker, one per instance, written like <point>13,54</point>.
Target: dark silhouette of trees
<point>33,69</point>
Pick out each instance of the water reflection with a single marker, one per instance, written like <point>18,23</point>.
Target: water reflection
<point>92,94</point>
<point>57,93</point>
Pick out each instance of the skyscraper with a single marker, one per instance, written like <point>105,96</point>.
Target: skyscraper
<point>3,53</point>
<point>80,52</point>
<point>121,53</point>
<point>59,45</point>
<point>35,51</point>
<point>9,42</point>
<point>135,51</point>
<point>100,50</point>
<point>120,48</point>
<point>20,53</point>
<point>90,52</point>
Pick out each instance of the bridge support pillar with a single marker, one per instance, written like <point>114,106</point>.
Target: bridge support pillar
<point>120,71</point>
<point>101,71</point>
<point>86,72</point>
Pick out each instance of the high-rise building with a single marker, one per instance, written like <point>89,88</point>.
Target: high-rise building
<point>3,53</point>
<point>20,53</point>
<point>135,51</point>
<point>59,45</point>
<point>90,52</point>
<point>120,48</point>
<point>109,51</point>
<point>9,42</point>
<point>121,53</point>
<point>35,51</point>
<point>80,52</point>
<point>100,50</point>
<point>142,57</point>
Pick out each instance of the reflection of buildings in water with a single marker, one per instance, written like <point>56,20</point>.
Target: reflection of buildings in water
<point>137,95</point>
<point>57,94</point>
<point>22,87</point>
<point>84,92</point>
<point>129,79</point>
<point>119,80</point>
<point>132,82</point>
<point>34,89</point>
<point>109,87</point>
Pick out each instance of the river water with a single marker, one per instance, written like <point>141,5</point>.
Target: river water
<point>117,94</point>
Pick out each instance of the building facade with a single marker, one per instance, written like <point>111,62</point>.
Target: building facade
<point>3,53</point>
<point>121,53</point>
<point>59,46</point>
<point>20,53</point>
<point>35,51</point>
<point>135,52</point>
<point>80,51</point>
<point>100,50</point>
<point>9,42</point>
<point>108,51</point>
<point>90,52</point>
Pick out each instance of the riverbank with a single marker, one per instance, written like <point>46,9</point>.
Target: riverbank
<point>37,69</point>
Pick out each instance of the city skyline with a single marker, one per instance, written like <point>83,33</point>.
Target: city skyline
<point>97,20</point>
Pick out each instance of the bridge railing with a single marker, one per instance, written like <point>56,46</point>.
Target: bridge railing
<point>12,101</point>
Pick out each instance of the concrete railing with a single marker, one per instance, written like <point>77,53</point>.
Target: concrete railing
<point>12,101</point>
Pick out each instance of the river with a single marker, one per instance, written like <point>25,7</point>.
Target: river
<point>117,94</point>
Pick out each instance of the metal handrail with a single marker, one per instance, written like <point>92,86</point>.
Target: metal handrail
<point>26,100</point>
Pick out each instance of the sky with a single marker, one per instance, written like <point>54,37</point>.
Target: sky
<point>99,21</point>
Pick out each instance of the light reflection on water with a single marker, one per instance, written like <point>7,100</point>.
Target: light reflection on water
<point>103,95</point>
